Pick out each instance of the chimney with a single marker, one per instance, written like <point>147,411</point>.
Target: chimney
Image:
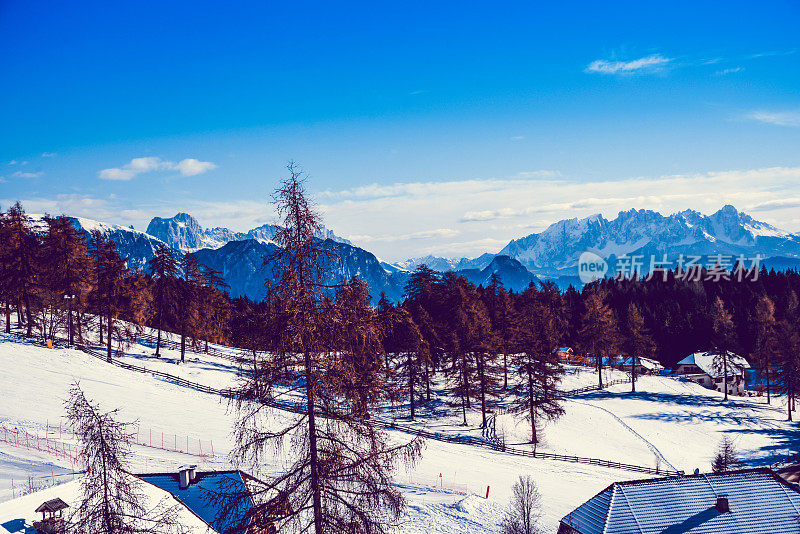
<point>192,474</point>
<point>722,504</point>
<point>184,477</point>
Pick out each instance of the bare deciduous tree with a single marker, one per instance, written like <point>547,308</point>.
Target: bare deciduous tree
<point>522,516</point>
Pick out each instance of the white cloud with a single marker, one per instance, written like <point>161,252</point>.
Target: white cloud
<point>778,118</point>
<point>193,167</point>
<point>137,166</point>
<point>21,174</point>
<point>731,70</point>
<point>487,214</point>
<point>48,154</point>
<point>643,64</point>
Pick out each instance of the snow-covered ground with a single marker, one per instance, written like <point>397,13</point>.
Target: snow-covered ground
<point>680,423</point>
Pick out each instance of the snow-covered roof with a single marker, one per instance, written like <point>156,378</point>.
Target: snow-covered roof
<point>647,363</point>
<point>705,361</point>
<point>199,496</point>
<point>760,503</point>
<point>17,515</point>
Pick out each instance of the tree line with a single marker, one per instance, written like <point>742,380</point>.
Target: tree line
<point>59,280</point>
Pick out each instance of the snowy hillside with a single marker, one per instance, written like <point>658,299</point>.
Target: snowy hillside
<point>679,423</point>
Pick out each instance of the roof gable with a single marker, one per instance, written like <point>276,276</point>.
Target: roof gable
<point>760,503</point>
<point>705,361</point>
<point>201,497</point>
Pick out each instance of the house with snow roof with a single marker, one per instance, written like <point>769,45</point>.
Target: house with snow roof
<point>222,500</point>
<point>703,368</point>
<point>752,501</point>
<point>205,502</point>
<point>643,366</point>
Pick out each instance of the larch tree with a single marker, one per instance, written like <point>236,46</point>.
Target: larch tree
<point>537,364</point>
<point>723,329</point>
<point>340,463</point>
<point>65,264</point>
<point>22,268</point>
<point>413,356</point>
<point>787,365</point>
<point>109,295</point>
<point>599,333</point>
<point>112,501</point>
<point>766,347</point>
<point>189,305</point>
<point>163,271</point>
<point>637,342</point>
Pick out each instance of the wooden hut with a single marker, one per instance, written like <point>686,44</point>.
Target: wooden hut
<point>52,520</point>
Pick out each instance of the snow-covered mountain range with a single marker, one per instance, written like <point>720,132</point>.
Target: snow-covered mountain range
<point>550,254</point>
<point>554,252</point>
<point>183,232</point>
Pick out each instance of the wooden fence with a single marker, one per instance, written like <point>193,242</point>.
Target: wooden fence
<point>463,440</point>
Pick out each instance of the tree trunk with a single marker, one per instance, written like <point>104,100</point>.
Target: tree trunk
<point>505,371</point>
<point>28,316</point>
<point>183,340</point>
<point>789,403</point>
<point>8,318</point>
<point>411,378</point>
<point>633,374</point>
<point>532,407</point>
<point>725,374</point>
<point>599,371</point>
<point>768,397</point>
<point>482,379</point>
<point>427,382</point>
<point>108,338</point>
<point>312,440</point>
<point>100,318</point>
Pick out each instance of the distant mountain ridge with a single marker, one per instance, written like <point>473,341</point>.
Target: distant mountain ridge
<point>551,254</point>
<point>183,232</point>
<point>554,252</point>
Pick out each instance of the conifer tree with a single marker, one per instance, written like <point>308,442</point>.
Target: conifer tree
<point>339,475</point>
<point>723,328</point>
<point>163,270</point>
<point>537,364</point>
<point>766,341</point>
<point>637,342</point>
<point>726,458</point>
<point>188,308</point>
<point>112,501</point>
<point>599,334</point>
<point>64,266</point>
<point>22,264</point>
<point>413,353</point>
<point>109,292</point>
<point>787,368</point>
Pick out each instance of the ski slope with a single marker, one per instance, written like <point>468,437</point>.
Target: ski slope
<point>680,423</point>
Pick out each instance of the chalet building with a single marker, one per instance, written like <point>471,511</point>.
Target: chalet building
<point>700,368</point>
<point>644,366</point>
<point>199,490</point>
<point>565,354</point>
<point>752,501</point>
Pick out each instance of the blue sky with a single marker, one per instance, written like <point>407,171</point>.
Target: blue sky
<point>426,127</point>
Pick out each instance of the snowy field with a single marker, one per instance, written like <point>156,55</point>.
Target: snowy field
<point>678,423</point>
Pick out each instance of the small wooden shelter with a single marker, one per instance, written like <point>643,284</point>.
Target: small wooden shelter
<point>52,520</point>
